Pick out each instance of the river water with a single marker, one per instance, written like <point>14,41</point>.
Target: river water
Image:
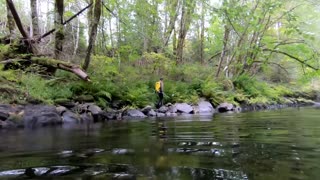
<point>278,144</point>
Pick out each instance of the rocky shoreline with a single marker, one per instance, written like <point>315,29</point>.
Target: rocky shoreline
<point>38,115</point>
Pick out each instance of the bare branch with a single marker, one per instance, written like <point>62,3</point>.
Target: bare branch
<point>64,23</point>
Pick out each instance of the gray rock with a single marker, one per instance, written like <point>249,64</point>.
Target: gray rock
<point>70,117</point>
<point>163,109</point>
<point>205,107</point>
<point>40,115</point>
<point>160,114</point>
<point>146,110</point>
<point>94,109</point>
<point>169,114</point>
<point>134,113</point>
<point>61,109</point>
<point>224,107</point>
<point>86,117</point>
<point>316,105</point>
<point>152,113</point>
<point>184,108</point>
<point>109,115</point>
<point>172,109</point>
<point>4,115</point>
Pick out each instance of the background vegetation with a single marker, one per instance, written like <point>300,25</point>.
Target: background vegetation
<point>252,52</point>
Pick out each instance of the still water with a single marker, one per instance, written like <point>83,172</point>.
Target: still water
<point>278,144</point>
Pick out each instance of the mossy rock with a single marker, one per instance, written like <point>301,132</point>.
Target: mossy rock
<point>64,102</point>
<point>84,98</point>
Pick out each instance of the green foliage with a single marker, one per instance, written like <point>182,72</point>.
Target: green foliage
<point>212,90</point>
<point>259,91</point>
<point>40,89</point>
<point>259,100</point>
<point>9,75</point>
<point>177,91</point>
<point>4,50</point>
<point>157,63</point>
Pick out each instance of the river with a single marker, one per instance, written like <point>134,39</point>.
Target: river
<point>277,144</point>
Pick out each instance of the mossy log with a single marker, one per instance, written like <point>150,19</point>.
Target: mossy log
<point>52,64</point>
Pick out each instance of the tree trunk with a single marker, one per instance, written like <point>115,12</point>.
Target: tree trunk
<point>34,18</point>
<point>10,24</point>
<point>173,14</point>
<point>202,34</point>
<point>76,41</point>
<point>174,43</point>
<point>93,33</point>
<point>26,39</point>
<point>187,10</point>
<point>90,17</point>
<point>58,22</point>
<point>225,41</point>
<point>17,19</point>
<point>51,63</point>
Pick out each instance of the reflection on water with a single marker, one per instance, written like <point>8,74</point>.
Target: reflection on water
<point>281,144</point>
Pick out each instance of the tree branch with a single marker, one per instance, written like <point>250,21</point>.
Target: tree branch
<point>281,67</point>
<point>17,19</point>
<point>64,23</point>
<point>292,57</point>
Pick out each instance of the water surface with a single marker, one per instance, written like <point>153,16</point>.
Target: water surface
<point>278,144</point>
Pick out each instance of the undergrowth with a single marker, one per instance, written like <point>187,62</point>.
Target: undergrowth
<point>132,84</point>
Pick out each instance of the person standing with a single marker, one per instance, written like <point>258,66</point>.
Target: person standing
<point>159,90</point>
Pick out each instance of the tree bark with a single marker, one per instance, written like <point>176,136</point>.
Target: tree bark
<point>202,34</point>
<point>10,20</point>
<point>93,33</point>
<point>17,19</point>
<point>76,41</point>
<point>26,38</point>
<point>187,10</point>
<point>58,23</point>
<point>34,18</point>
<point>225,41</point>
<point>173,15</point>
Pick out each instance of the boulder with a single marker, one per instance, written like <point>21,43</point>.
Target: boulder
<point>94,109</point>
<point>163,109</point>
<point>86,117</point>
<point>152,113</point>
<point>70,117</point>
<point>110,114</point>
<point>316,105</point>
<point>224,107</point>
<point>172,109</point>
<point>160,114</point>
<point>205,107</point>
<point>183,108</point>
<point>4,115</point>
<point>134,113</point>
<point>146,110</point>
<point>40,115</point>
<point>61,109</point>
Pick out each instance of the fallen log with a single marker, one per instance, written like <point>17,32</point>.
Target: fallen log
<point>52,63</point>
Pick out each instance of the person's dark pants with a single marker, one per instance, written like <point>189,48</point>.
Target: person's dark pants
<point>160,102</point>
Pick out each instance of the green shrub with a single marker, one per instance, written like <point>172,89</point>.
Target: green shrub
<point>42,90</point>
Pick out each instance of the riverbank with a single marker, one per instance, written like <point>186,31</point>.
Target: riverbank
<point>14,116</point>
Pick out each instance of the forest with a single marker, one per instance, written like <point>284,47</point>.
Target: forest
<point>113,51</point>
